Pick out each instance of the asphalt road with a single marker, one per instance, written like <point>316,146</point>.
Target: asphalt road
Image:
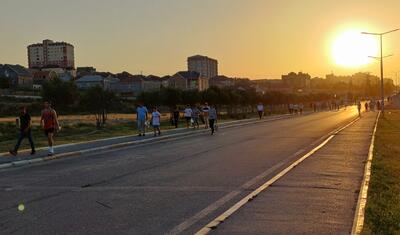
<point>172,187</point>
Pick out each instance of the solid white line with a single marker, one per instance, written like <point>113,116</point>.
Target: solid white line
<point>217,204</point>
<point>221,218</point>
<point>359,214</point>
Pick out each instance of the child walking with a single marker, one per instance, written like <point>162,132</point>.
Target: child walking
<point>155,121</point>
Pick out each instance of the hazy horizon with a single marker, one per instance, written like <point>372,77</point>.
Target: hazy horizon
<point>264,39</point>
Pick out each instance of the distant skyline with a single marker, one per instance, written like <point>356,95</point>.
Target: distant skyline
<point>255,39</point>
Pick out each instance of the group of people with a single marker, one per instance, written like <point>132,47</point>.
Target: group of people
<point>49,123</point>
<point>369,106</point>
<point>296,108</point>
<point>193,115</point>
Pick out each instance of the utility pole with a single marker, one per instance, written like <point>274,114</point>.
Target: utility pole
<point>381,60</point>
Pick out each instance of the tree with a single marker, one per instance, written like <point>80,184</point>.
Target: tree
<point>4,83</point>
<point>97,101</point>
<point>170,97</point>
<point>61,94</point>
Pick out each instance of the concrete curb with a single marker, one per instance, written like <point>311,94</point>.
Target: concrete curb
<point>359,214</point>
<point>4,154</point>
<point>238,123</point>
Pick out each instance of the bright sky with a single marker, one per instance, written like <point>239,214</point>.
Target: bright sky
<point>250,38</point>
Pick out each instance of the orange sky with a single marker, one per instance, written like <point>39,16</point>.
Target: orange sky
<point>252,38</point>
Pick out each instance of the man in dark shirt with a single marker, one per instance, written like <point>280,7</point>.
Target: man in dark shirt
<point>24,124</point>
<point>176,116</point>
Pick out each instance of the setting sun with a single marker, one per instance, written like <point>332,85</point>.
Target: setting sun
<point>351,48</point>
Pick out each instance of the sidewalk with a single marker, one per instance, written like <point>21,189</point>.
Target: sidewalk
<point>319,196</point>
<point>6,160</point>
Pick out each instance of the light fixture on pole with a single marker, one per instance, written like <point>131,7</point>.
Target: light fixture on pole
<point>381,59</point>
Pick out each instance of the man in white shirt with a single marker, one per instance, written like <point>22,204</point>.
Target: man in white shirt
<point>260,110</point>
<point>188,115</point>
<point>205,110</point>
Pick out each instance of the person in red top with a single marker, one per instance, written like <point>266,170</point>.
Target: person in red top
<point>50,125</point>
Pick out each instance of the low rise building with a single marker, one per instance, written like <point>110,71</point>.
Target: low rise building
<point>17,76</point>
<point>221,81</point>
<point>90,81</point>
<point>40,77</point>
<point>188,80</point>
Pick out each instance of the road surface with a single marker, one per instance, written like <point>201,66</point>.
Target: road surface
<point>179,186</point>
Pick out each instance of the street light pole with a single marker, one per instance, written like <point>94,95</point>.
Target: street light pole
<point>381,60</point>
<point>382,83</point>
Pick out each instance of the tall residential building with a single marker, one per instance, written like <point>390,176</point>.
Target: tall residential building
<point>51,54</point>
<point>205,66</point>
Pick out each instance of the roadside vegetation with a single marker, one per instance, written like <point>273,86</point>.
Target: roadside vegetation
<point>383,204</point>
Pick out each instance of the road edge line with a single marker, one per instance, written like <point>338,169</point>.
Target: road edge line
<point>359,215</point>
<point>221,218</point>
<point>240,123</point>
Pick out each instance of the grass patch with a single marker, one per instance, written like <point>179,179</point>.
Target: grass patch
<point>383,204</point>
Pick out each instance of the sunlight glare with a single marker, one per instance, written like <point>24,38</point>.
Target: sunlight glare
<point>351,48</point>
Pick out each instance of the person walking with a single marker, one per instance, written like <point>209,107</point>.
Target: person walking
<point>141,118</point>
<point>50,125</point>
<point>156,121</point>
<point>372,105</point>
<point>176,116</point>
<point>366,106</point>
<point>359,108</point>
<point>205,110</point>
<point>260,110</point>
<point>195,117</point>
<point>188,115</point>
<point>301,107</point>
<point>24,123</point>
<point>212,118</point>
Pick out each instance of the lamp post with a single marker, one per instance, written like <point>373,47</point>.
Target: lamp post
<point>381,59</point>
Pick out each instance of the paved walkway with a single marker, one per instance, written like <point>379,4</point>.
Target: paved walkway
<point>317,197</point>
<point>75,147</point>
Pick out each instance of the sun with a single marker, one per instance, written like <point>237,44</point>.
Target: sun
<point>352,49</point>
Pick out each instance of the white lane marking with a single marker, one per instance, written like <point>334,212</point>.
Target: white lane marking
<point>220,202</point>
<point>221,218</point>
<point>214,206</point>
<point>359,214</point>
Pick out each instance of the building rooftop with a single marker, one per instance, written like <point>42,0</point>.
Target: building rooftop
<point>19,69</point>
<point>189,74</point>
<point>197,57</point>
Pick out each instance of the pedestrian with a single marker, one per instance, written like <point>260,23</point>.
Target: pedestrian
<point>195,117</point>
<point>156,121</point>
<point>50,124</point>
<point>366,106</point>
<point>378,105</point>
<point>25,124</point>
<point>372,105</point>
<point>359,108</point>
<point>141,118</point>
<point>188,115</point>
<point>205,110</point>
<point>301,107</point>
<point>260,110</point>
<point>176,116</point>
<point>212,118</point>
